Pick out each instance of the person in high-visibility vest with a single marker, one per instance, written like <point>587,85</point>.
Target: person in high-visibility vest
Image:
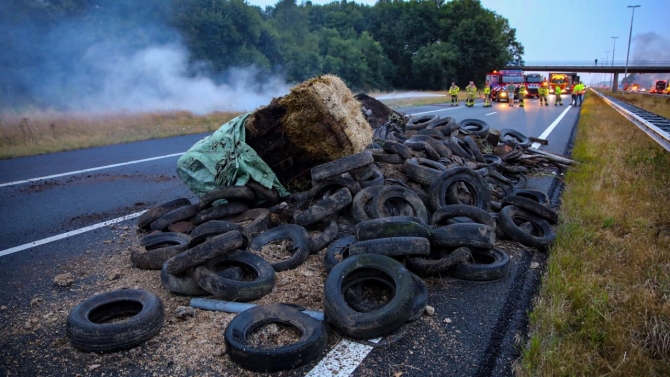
<point>453,92</point>
<point>510,94</point>
<point>487,94</point>
<point>522,94</point>
<point>543,92</point>
<point>558,100</point>
<point>470,91</point>
<point>580,94</point>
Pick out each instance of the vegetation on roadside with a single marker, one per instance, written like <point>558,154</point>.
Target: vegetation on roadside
<point>31,133</point>
<point>604,305</point>
<point>659,105</point>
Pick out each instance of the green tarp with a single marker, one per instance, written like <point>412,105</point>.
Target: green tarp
<point>225,159</point>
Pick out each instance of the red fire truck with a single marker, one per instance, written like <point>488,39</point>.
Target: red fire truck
<point>565,80</point>
<point>533,82</point>
<point>499,81</point>
<point>659,87</point>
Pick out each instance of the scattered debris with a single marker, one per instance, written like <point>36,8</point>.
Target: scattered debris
<point>64,280</point>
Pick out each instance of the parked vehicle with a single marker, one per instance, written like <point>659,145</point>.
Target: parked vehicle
<point>533,82</point>
<point>565,80</point>
<point>499,81</point>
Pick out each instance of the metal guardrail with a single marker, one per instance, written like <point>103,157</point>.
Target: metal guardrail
<point>656,126</point>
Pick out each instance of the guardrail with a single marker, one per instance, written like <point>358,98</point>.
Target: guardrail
<point>656,126</point>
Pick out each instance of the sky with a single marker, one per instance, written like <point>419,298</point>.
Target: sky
<point>579,30</point>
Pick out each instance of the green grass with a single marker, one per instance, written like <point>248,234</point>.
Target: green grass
<point>659,105</point>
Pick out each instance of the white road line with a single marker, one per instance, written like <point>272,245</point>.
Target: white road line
<point>434,111</point>
<point>68,234</point>
<point>551,127</point>
<point>495,112</point>
<point>342,360</point>
<point>88,170</point>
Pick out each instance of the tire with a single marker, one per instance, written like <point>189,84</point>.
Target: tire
<point>88,331</point>
<point>474,149</point>
<point>218,212</point>
<point>422,170</point>
<point>475,184</point>
<point>339,248</point>
<point>176,215</point>
<point>446,126</point>
<point>507,223</point>
<point>260,221</point>
<point>330,185</point>
<point>343,165</point>
<point>440,148</point>
<point>324,208</point>
<point>210,229</point>
<point>439,263</point>
<point>209,277</point>
<point>184,284</point>
<point>267,197</point>
<point>362,174</point>
<point>476,127</point>
<point>416,145</point>
<point>297,234</point>
<point>230,193</point>
<point>432,133</point>
<point>477,215</point>
<point>484,265</point>
<point>492,159</point>
<point>153,214</point>
<point>379,322</point>
<point>311,345</point>
<point>500,189</point>
<point>377,179</point>
<point>397,226</point>
<point>516,137</point>
<point>388,158</point>
<point>531,206</point>
<point>323,239</point>
<point>383,203</point>
<point>421,122</point>
<point>159,247</point>
<point>459,148</point>
<point>214,247</point>
<point>471,235</point>
<point>392,246</point>
<point>538,196</point>
<point>361,203</point>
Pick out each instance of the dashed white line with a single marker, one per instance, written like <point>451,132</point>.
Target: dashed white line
<point>551,127</point>
<point>88,170</point>
<point>342,360</point>
<point>68,234</point>
<point>495,112</point>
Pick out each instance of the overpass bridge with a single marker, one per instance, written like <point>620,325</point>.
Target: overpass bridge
<point>633,67</point>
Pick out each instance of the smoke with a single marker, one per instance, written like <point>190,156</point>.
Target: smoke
<point>114,55</point>
<point>650,49</point>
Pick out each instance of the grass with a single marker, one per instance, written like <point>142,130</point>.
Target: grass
<point>39,132</point>
<point>397,103</point>
<point>604,305</point>
<point>659,105</point>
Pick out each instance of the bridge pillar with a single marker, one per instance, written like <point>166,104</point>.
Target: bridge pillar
<point>615,82</point>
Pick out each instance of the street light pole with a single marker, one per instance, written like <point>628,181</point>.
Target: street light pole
<point>630,34</point>
<point>613,48</point>
<point>607,55</point>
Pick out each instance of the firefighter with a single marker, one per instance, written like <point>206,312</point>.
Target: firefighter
<point>522,94</point>
<point>543,92</point>
<point>580,94</point>
<point>510,94</point>
<point>487,94</point>
<point>453,92</point>
<point>470,91</point>
<point>558,100</point>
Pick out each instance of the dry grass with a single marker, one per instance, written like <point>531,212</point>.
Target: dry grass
<point>36,132</point>
<point>396,103</point>
<point>656,104</point>
<point>604,307</point>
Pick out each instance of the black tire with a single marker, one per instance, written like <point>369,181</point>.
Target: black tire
<point>397,226</point>
<point>263,277</point>
<point>484,265</point>
<point>159,247</point>
<point>397,199</point>
<point>439,262</point>
<point>343,165</point>
<point>230,193</point>
<point>430,152</point>
<point>435,134</point>
<point>475,184</point>
<point>330,185</point>
<point>518,180</point>
<point>515,137</point>
<point>476,127</point>
<point>421,122</point>
<point>212,248</point>
<point>176,215</point>
<point>532,206</point>
<point>379,322</point>
<point>362,174</point>
<point>536,195</point>
<point>210,229</point>
<point>446,126</point>
<point>324,208</point>
<point>392,246</point>
<point>297,234</point>
<point>337,251</point>
<point>377,179</point>
<point>311,345</point>
<point>260,221</point>
<point>492,159</point>
<point>388,158</point>
<point>218,212</point>
<point>154,213</point>
<point>474,149</point>
<point>500,188</point>
<point>88,328</point>
<point>361,203</point>
<point>477,215</point>
<point>183,284</point>
<point>324,238</point>
<point>460,149</point>
<point>441,149</point>
<point>265,197</point>
<point>507,222</point>
<point>471,235</point>
<point>422,170</point>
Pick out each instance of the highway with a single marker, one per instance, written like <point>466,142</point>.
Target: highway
<point>471,334</point>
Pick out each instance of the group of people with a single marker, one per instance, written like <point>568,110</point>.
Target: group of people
<point>577,94</point>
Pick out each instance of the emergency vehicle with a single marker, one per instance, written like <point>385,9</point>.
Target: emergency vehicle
<point>499,81</point>
<point>565,80</point>
<point>533,82</point>
<point>659,87</point>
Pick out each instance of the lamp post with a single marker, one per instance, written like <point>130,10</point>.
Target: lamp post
<point>630,34</point>
<point>607,55</point>
<point>613,48</point>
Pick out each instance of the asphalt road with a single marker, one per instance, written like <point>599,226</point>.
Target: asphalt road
<point>471,334</point>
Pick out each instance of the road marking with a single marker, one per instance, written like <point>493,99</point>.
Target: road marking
<point>68,234</point>
<point>434,111</point>
<point>342,360</point>
<point>88,170</point>
<point>495,112</point>
<point>551,127</point>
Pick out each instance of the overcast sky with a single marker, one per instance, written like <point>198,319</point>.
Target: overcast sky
<point>579,30</point>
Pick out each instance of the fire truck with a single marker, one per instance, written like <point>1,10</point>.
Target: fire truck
<point>533,82</point>
<point>565,80</point>
<point>659,87</point>
<point>499,81</point>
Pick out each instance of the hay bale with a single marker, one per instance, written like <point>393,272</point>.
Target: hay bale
<point>318,121</point>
